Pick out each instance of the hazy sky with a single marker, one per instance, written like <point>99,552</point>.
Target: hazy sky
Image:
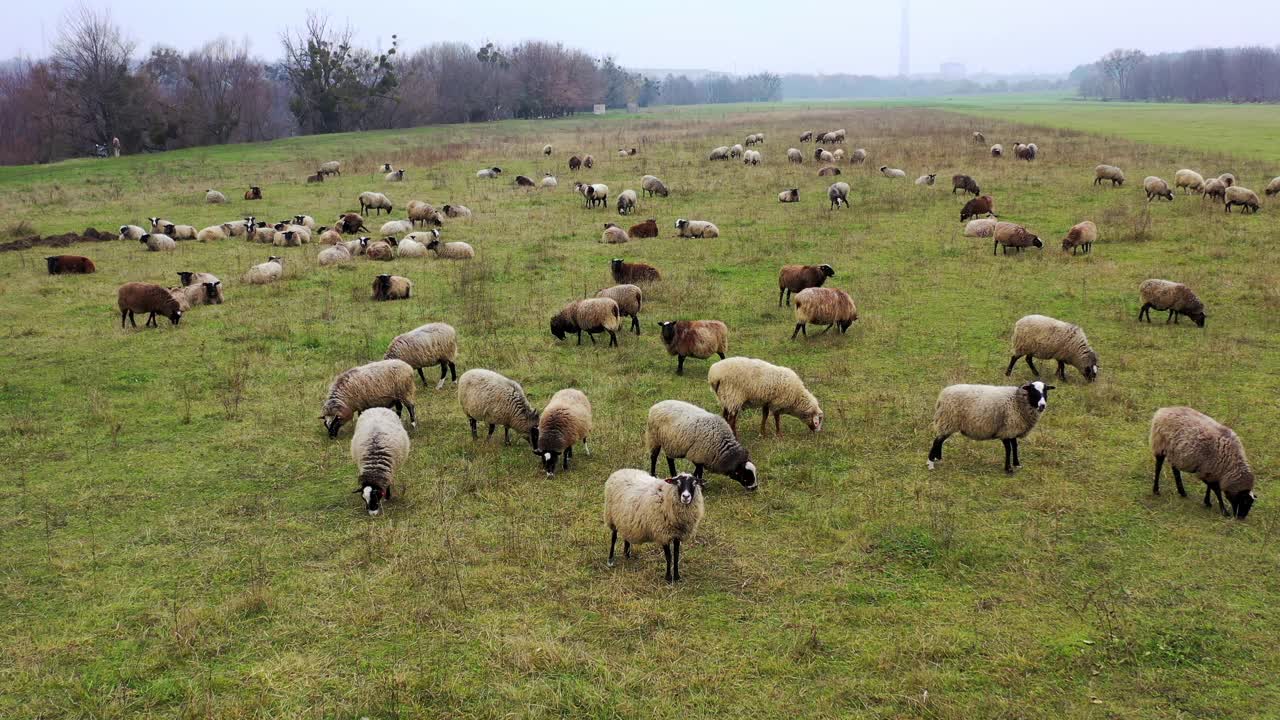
<point>742,36</point>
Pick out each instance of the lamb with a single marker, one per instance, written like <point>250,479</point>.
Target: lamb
<point>752,157</point>
<point>351,223</point>
<point>1038,336</point>
<point>1273,187</point>
<point>627,202</point>
<point>828,171</point>
<point>574,163</point>
<point>987,412</point>
<point>565,421</point>
<point>1010,235</point>
<point>751,140</point>
<point>379,384</point>
<point>983,228</point>
<point>524,181</point>
<point>375,201</point>
<point>720,153</point>
<point>742,382</point>
<point>629,299</point>
<point>1188,180</point>
<point>1196,443</point>
<point>1108,172</point>
<point>549,181</point>
<point>1177,298</point>
<point>680,430</point>
<point>379,446</point>
<point>997,150</point>
<point>210,287</point>
<point>383,250</point>
<point>736,151</point>
<point>696,229</point>
<point>395,176</point>
<point>926,180</point>
<point>396,227</point>
<point>838,193</point>
<point>645,509</point>
<point>240,227</point>
<point>588,162</point>
<point>694,338</point>
<point>266,272</point>
<point>823,306</point>
<point>1214,189</point>
<point>317,178</point>
<point>633,273</point>
<point>496,400</point>
<point>415,244</point>
<point>426,345</point>
<point>1155,187</point>
<point>795,156</point>
<point>131,232</point>
<point>253,193</point>
<point>857,157</point>
<point>69,264</point>
<point>823,156</point>
<point>646,229</point>
<point>157,242</point>
<point>965,183</point>
<point>451,250</point>
<point>334,255</point>
<point>651,186</point>
<point>392,287</point>
<point>599,314</point>
<point>1244,197</point>
<point>332,167</point>
<point>213,197</point>
<point>1082,235</point>
<point>139,297</point>
<point>979,138</point>
<point>1227,179</point>
<point>613,234</point>
<point>789,196</point>
<point>214,232</point>
<point>892,172</point>
<point>421,213</point>
<point>489,173</point>
<point>546,150</point>
<point>794,279</point>
<point>192,295</point>
<point>456,211</point>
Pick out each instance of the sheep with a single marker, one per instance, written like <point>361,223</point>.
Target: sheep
<point>158,224</point>
<point>613,234</point>
<point>1026,152</point>
<point>681,430</point>
<point>332,167</point>
<point>633,273</point>
<point>139,297</point>
<point>213,197</point>
<point>524,181</point>
<point>565,421</point>
<point>383,250</point>
<point>487,396</point>
<point>395,176</point>
<point>422,213</point>
<point>415,244</point>
<point>789,196</point>
<point>651,186</point>
<point>396,227</point>
<point>451,250</point>
<point>317,178</point>
<point>645,509</point>
<point>1214,189</point>
<point>795,156</point>
<point>375,201</point>
<point>241,227</point>
<point>456,211</point>
<point>742,382</point>
<point>858,156</point>
<point>266,272</point>
<point>599,314</point>
<point>752,157</point>
<point>627,202</point>
<point>1242,196</point>
<point>131,232</point>
<point>694,338</point>
<point>489,172</point>
<point>588,162</point>
<point>1108,172</point>
<point>966,184</point>
<point>646,229</point>
<point>720,153</point>
<point>1273,187</point>
<point>750,140</point>
<point>289,235</point>
<point>1155,187</point>
<point>736,150</point>
<point>838,193</point>
<point>574,163</point>
<point>983,228</point>
<point>1194,442</point>
<point>806,136</point>
<point>382,383</point>
<point>987,412</point>
<point>190,296</point>
<point>214,232</point>
<point>1175,297</point>
<point>823,156</point>
<point>696,229</point>
<point>180,232</point>
<point>793,279</point>
<point>379,446</point>
<point>549,181</point>
<point>1227,179</point>
<point>392,287</point>
<point>329,236</point>
<point>426,345</point>
<point>1188,180</point>
<point>305,221</point>
<point>838,154</point>
<point>629,299</point>
<point>69,264</point>
<point>1010,235</point>
<point>597,194</point>
<point>334,255</point>
<point>927,180</point>
<point>157,242</point>
<point>253,193</point>
<point>979,138</point>
<point>1039,336</point>
<point>997,151</point>
<point>828,171</point>
<point>1082,235</point>
<point>350,223</point>
<point>823,306</point>
<point>210,287</point>
<point>546,150</point>
<point>892,172</point>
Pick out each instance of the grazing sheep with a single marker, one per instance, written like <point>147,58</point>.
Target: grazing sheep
<point>789,196</point>
<point>597,194</point>
<point>720,153</point>
<point>564,422</point>
<point>823,306</point>
<point>1244,197</point>
<point>415,244</point>
<point>750,140</point>
<point>806,136</point>
<point>694,338</point>
<point>131,232</point>
<point>633,273</point>
<point>1174,297</point>
<point>838,193</point>
<point>1188,180</point>
<point>646,229</point>
<point>892,172</point>
<point>253,193</point>
<point>263,273</point>
<point>549,181</point>
<point>793,279</point>
<point>979,138</point>
<point>736,151</point>
<point>427,345</point>
<point>422,213</point>
<point>1214,189</point>
<point>680,430</point>
<point>838,154</point>
<point>858,156</point>
<point>382,383</point>
<point>139,297</point>
<point>69,265</point>
<point>496,400</point>
<point>598,314</point>
<point>643,508</point>
<point>456,211</point>
<point>210,287</point>
<point>317,178</point>
<point>1039,336</point>
<point>214,197</point>
<point>1010,235</point>
<point>795,156</point>
<point>983,228</point>
<point>351,223</point>
<point>629,299</point>
<point>1026,152</point>
<point>965,183</point>
<point>1082,235</point>
<point>383,250</point>
<point>627,202</point>
<point>332,167</point>
<point>379,446</point>
<point>823,156</point>
<point>334,255</point>
<point>546,150</point>
<point>752,157</point>
<point>742,382</point>
<point>828,171</point>
<point>451,250</point>
<point>1108,172</point>
<point>375,201</point>
<point>489,172</point>
<point>696,229</point>
<point>574,163</point>
<point>1273,187</point>
<point>927,179</point>
<point>651,186</point>
<point>396,227</point>
<point>987,412</point>
<point>1155,187</point>
<point>395,176</point>
<point>158,242</point>
<point>997,151</point>
<point>1196,443</point>
<point>1227,179</point>
<point>613,234</point>
<point>392,287</point>
<point>524,181</point>
<point>588,162</point>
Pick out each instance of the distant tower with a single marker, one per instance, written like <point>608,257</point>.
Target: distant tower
<point>904,49</point>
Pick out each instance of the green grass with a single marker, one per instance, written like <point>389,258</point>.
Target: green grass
<point>181,538</point>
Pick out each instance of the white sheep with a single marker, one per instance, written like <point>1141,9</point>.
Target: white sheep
<point>266,272</point>
<point>456,211</point>
<point>158,242</point>
<point>489,397</point>
<point>1188,180</point>
<point>334,255</point>
<point>892,172</point>
<point>627,200</point>
<point>742,382</point>
<point>549,181</point>
<point>565,421</point>
<point>838,193</point>
<point>451,250</point>
<point>415,244</point>
<point>426,345</point>
<point>696,229</point>
<point>1039,336</point>
<point>987,412</point>
<point>927,179</point>
<point>651,186</point>
<point>394,176</point>
<point>375,201</point>
<point>332,167</point>
<point>644,509</point>
<point>396,227</point>
<point>489,173</point>
<point>379,446</point>
<point>1194,442</point>
<point>1156,187</point>
<point>213,197</point>
<point>981,228</point>
<point>214,233</point>
<point>794,155</point>
<point>131,232</point>
<point>858,156</point>
<point>630,298</point>
<point>681,430</point>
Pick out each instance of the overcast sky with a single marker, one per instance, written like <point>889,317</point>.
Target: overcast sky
<point>742,36</point>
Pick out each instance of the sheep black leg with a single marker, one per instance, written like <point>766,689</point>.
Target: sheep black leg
<point>413,414</point>
<point>1217,490</point>
<point>613,339</point>
<point>1207,489</point>
<point>679,364</point>
<point>506,435</point>
<point>626,549</point>
<point>799,328</point>
<point>579,337</point>
<point>423,376</point>
<point>721,355</point>
<point>1012,361</point>
<point>1014,443</point>
<point>764,421</point>
<point>697,471</point>
<point>635,323</point>
<point>666,552</point>
<point>1008,455</point>
<point>675,560</point>
<point>492,427</point>
<point>653,460</point>
<point>671,465</point>
<point>453,371</point>
<point>613,543</point>
<point>1146,310</point>
<point>1177,479</point>
<point>474,434</point>
<point>780,294</point>
<point>777,423</point>
<point>935,452</point>
<point>1032,366</point>
<point>151,320</point>
<point>1155,484</point>
<point>568,453</point>
<point>1062,371</point>
<point>444,370</point>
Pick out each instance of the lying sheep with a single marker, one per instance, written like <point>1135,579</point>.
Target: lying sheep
<point>927,180</point>
<point>69,265</point>
<point>159,224</point>
<point>158,242</point>
<point>139,297</point>
<point>379,446</point>
<point>524,181</point>
<point>549,181</point>
<point>1273,187</point>
<point>546,150</point>
<point>646,229</point>
<point>382,383</point>
<point>979,138</point>
<point>305,221</point>
<point>496,400</point>
<point>180,232</point>
<point>456,211</point>
<point>694,338</point>
<point>427,345</point>
<point>332,167</point>
<point>1082,235</point>
<point>633,273</point>
<point>394,176</point>
<point>1155,187</point>
<point>680,430</point>
<point>375,201</point>
<point>593,315</point>
<point>1188,180</point>
<point>965,183</point>
<point>838,193</point>
<point>696,229</point>
<point>983,228</point>
<point>1010,235</point>
<point>588,162</point>
<point>823,156</point>
<point>206,288</point>
<point>317,178</point>
<point>1196,443</point>
<point>643,508</point>
<point>794,279</point>
<point>838,154</point>
<point>392,287</point>
<point>214,197</point>
<point>263,273</point>
<point>823,306</point>
<point>383,250</point>
<point>741,382</point>
<point>351,223</point>
<point>1108,172</point>
<point>627,202</point>
<point>386,168</point>
<point>253,193</point>
<point>1214,189</point>
<point>892,172</point>
<point>987,412</point>
<point>795,156</point>
<point>1038,336</point>
<point>828,171</point>
<point>651,186</point>
<point>415,244</point>
<point>334,255</point>
<point>1244,197</point>
<point>789,196</point>
<point>329,236</point>
<point>858,156</point>
<point>564,422</point>
<point>489,172</point>
<point>214,233</point>
<point>131,232</point>
<point>997,150</point>
<point>613,234</point>
<point>720,153</point>
<point>396,227</point>
<point>1177,298</point>
<point>629,299</point>
<point>451,250</point>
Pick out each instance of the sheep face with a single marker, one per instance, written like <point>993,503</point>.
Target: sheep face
<point>333,419</point>
<point>561,325</point>
<point>373,498</point>
<point>615,264</point>
<point>827,270</point>
<point>745,474</point>
<point>815,422</point>
<point>687,487</point>
<point>1241,502</point>
<point>211,293</point>
<point>1038,395</point>
<point>668,331</point>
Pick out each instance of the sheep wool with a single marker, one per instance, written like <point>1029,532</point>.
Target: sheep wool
<point>549,181</point>
<point>334,255</point>
<point>1188,180</point>
<point>1038,336</point>
<point>213,197</point>
<point>858,156</point>
<point>1194,442</point>
<point>684,431</point>
<point>823,306</point>
<point>383,383</point>
<point>396,227</point>
<point>694,338</point>
<point>427,345</point>
<point>392,287</point>
<point>415,244</point>
<point>564,422</point>
<point>927,180</point>
<point>1156,188</point>
<point>982,228</point>
<point>1273,187</point>
<point>646,229</point>
<point>742,382</point>
<point>629,298</point>
<point>988,412</point>
<point>642,508</point>
<point>332,167</point>
<point>266,272</point>
<point>1081,237</point>
<point>486,396</point>
<point>696,229</point>
<point>796,278</point>
<point>1176,298</point>
<point>379,446</point>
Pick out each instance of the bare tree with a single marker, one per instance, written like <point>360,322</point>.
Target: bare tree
<point>1119,66</point>
<point>92,60</point>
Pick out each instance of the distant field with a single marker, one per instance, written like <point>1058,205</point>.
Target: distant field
<point>181,539</point>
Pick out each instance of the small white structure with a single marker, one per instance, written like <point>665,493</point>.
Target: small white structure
<point>598,109</point>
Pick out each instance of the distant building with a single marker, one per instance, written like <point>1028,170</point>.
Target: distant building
<point>952,70</point>
<point>598,109</point>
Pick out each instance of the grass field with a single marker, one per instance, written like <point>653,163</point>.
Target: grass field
<point>181,538</point>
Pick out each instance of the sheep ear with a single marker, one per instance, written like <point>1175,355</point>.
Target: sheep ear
<point>670,481</point>
<point>1050,387</point>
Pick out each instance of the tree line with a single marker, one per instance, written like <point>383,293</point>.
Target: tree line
<point>1237,75</point>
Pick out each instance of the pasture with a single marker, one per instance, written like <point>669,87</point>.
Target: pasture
<point>182,541</point>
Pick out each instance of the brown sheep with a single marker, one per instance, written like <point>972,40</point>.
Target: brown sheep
<point>523,181</point>
<point>351,223</point>
<point>253,193</point>
<point>317,178</point>
<point>646,229</point>
<point>1009,235</point>
<point>795,278</point>
<point>574,163</point>
<point>694,338</point>
<point>824,306</point>
<point>984,205</point>
<point>965,183</point>
<point>148,298</point>
<point>625,273</point>
<point>828,170</point>
<point>71,264</point>
<point>1081,237</point>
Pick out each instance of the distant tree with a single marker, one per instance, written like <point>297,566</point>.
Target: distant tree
<point>332,81</point>
<point>1119,66</point>
<point>102,98</point>
<point>650,92</point>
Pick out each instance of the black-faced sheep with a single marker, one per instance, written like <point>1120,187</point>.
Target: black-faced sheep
<point>633,273</point>
<point>614,235</point>
<point>1108,172</point>
<point>456,211</point>
<point>1081,236</point>
<point>69,264</point>
<point>838,193</point>
<point>828,171</point>
<point>984,205</point>
<point>593,315</point>
<point>1011,235</point>
<point>524,181</point>
<point>696,229</point>
<point>1196,443</point>
<point>486,396</point>
<point>927,180</point>
<point>987,412</point>
<point>451,250</point>
<point>889,172</point>
<point>651,186</point>
<point>253,193</point>
<point>629,298</point>
<point>379,446</point>
<point>158,242</point>
<point>793,279</point>
<point>426,345</point>
<point>741,382</point>
<point>350,223</point>
<point>383,383</point>
<point>965,183</point>
<point>1273,187</point>
<point>210,287</point>
<point>375,201</point>
<point>564,422</point>
<point>823,306</point>
<point>1038,336</point>
<point>720,153</point>
<point>1174,297</point>
<point>1156,188</point>
<point>1244,197</point>
<point>997,151</point>
<point>789,196</point>
<point>392,287</point>
<point>138,297</point>
<point>683,431</point>
<point>694,338</point>
<point>489,172</point>
<point>643,508</point>
<point>627,202</point>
